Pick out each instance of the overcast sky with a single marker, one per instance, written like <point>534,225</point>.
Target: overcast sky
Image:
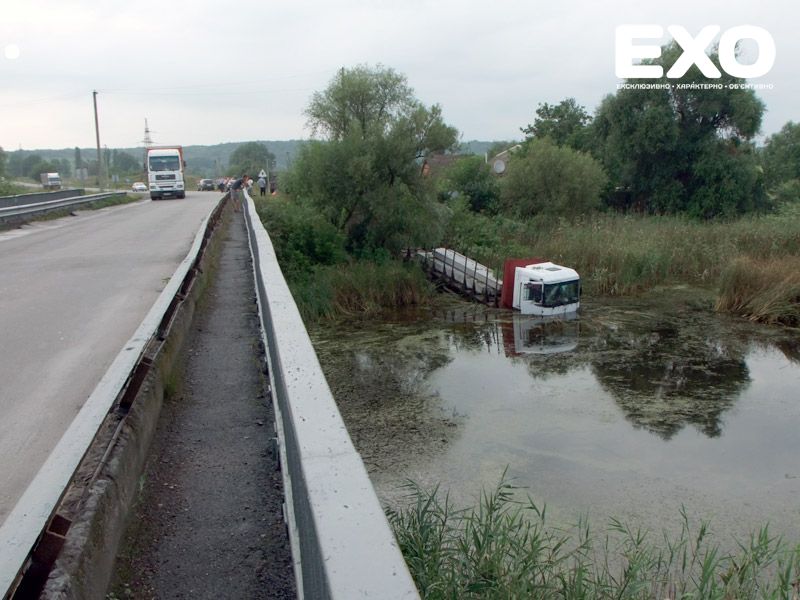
<point>206,72</point>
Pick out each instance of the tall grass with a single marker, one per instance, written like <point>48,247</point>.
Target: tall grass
<point>626,254</point>
<point>360,288</point>
<point>503,548</point>
<point>762,290</point>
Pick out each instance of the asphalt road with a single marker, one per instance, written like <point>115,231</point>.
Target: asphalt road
<point>72,292</point>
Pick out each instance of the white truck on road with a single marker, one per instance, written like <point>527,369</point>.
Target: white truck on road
<point>165,172</point>
<point>51,181</point>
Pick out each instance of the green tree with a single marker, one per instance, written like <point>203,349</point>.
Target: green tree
<point>43,166</point>
<point>782,155</point>
<point>365,178</point>
<point>552,180</point>
<point>30,166</point>
<point>472,177</point>
<point>63,167</point>
<point>123,163</point>
<point>685,147</point>
<point>566,123</point>
<point>360,100</point>
<point>3,158</point>
<point>15,167</point>
<point>249,158</point>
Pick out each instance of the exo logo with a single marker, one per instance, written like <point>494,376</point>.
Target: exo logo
<point>693,51</point>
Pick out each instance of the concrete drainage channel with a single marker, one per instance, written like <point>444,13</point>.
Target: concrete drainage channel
<point>341,542</point>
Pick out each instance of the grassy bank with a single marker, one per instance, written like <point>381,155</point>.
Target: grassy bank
<point>503,548</point>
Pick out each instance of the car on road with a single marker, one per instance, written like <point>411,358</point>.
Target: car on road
<point>139,187</point>
<point>206,185</point>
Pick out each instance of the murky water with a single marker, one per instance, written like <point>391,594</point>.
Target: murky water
<point>636,408</point>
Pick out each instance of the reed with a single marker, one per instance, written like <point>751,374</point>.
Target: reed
<point>766,290</point>
<point>360,288</point>
<point>505,548</point>
<point>752,261</point>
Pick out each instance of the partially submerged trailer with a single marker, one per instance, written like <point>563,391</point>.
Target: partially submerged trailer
<point>532,286</point>
<point>468,274</point>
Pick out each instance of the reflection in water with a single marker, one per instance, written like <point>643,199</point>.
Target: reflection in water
<point>627,411</point>
<point>662,374</point>
<point>666,377</point>
<point>532,335</point>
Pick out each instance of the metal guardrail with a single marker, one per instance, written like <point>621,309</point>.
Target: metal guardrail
<point>25,210</point>
<point>36,197</point>
<point>341,541</point>
<point>31,517</point>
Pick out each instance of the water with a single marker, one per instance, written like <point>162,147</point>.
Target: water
<point>633,410</point>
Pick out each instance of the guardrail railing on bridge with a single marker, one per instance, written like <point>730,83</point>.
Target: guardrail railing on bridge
<point>24,210</point>
<point>341,540</point>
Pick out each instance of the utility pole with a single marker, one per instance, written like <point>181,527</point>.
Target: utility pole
<point>100,178</point>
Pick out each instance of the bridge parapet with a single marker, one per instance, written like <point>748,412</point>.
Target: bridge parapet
<point>341,540</point>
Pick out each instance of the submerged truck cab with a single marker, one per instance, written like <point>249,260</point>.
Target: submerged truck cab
<point>546,289</point>
<point>165,168</point>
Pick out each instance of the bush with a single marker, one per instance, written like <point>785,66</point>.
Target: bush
<point>301,236</point>
<point>550,180</point>
<point>325,281</point>
<point>471,177</point>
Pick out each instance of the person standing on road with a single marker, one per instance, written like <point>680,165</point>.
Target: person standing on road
<point>262,186</point>
<point>236,188</point>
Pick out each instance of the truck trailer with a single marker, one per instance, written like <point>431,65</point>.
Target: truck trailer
<point>50,181</point>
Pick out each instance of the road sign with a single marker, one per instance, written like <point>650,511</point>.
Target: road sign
<point>262,173</point>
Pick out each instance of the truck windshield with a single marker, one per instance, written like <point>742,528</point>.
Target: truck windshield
<point>164,163</point>
<point>558,294</point>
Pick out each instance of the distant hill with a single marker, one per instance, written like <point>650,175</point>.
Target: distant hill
<point>210,161</point>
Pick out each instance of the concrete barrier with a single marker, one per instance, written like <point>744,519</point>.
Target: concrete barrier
<point>341,541</point>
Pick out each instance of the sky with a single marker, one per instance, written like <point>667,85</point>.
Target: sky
<point>208,72</point>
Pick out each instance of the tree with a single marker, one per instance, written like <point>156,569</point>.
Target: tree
<point>366,178</point>
<point>361,100</point>
<point>78,160</point>
<point>566,123</point>
<point>782,155</point>
<point>63,167</point>
<point>3,157</point>
<point>472,177</point>
<point>683,145</point>
<point>250,158</point>
<point>15,160</point>
<point>552,180</point>
<point>30,166</point>
<point>43,166</point>
<point>123,163</point>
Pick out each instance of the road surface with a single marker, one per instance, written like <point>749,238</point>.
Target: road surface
<point>72,292</point>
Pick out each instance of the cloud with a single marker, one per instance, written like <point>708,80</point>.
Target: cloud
<point>208,71</point>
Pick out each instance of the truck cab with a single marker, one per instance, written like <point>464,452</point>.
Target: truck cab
<point>165,169</point>
<point>546,289</point>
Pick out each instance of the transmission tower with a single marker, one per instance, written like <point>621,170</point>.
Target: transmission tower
<point>147,141</point>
